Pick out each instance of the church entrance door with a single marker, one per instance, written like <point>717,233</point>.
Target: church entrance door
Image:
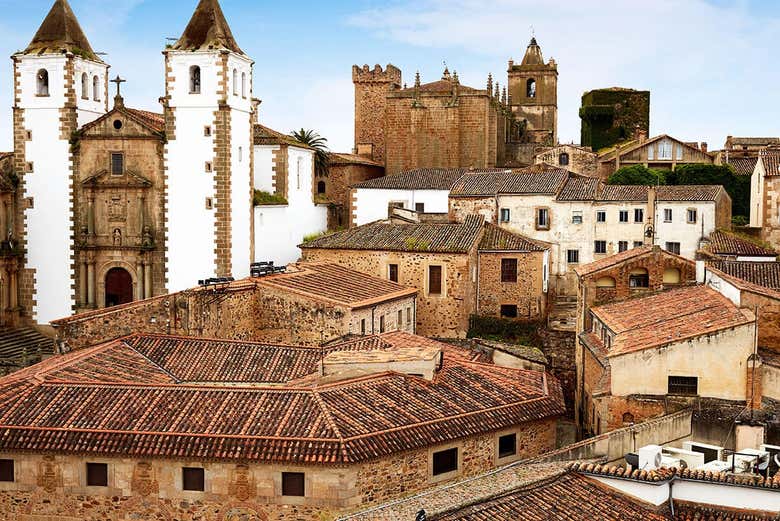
<point>119,287</point>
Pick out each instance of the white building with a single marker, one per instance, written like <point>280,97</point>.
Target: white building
<point>284,169</point>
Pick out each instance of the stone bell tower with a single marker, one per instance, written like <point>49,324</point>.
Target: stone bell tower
<point>60,84</point>
<point>533,92</point>
<point>208,157</point>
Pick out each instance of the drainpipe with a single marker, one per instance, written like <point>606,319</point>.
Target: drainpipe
<point>671,498</point>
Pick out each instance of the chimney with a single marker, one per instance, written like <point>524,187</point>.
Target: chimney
<point>640,134</point>
<point>703,147</point>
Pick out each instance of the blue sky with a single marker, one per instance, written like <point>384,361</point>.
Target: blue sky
<point>711,66</point>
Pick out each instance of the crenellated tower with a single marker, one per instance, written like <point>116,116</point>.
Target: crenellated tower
<point>60,84</point>
<point>208,111</point>
<point>371,89</point>
<point>533,91</point>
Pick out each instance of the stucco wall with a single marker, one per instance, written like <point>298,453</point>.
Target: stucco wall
<point>371,204</point>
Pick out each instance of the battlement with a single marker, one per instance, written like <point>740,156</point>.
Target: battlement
<point>391,74</point>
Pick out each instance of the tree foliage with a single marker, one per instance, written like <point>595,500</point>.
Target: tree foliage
<point>637,175</point>
<point>320,146</point>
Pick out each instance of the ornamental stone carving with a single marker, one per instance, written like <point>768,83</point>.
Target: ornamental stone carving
<point>242,486</point>
<point>143,482</point>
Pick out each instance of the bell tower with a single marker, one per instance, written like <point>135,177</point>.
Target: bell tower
<point>59,85</point>
<point>208,113</point>
<point>533,91</point>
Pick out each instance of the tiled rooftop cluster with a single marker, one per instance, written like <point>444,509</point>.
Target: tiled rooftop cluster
<point>723,242</point>
<point>146,395</point>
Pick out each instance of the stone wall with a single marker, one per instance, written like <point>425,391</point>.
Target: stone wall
<point>581,161</point>
<point>461,207</point>
<point>768,311</point>
<point>49,487</point>
<point>770,230</point>
<point>559,348</point>
<point>527,293</point>
<point>371,89</point>
<point>341,176</point>
<point>444,315</point>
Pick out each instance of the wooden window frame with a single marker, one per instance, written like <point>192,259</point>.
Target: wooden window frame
<point>293,484</point>
<point>430,286</point>
<point>193,479</point>
<point>537,218</point>
<point>97,474</point>
<point>393,272</point>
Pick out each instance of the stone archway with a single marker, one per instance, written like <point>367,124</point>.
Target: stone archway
<point>118,287</point>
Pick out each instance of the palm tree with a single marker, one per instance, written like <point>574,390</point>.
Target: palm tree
<point>320,146</point>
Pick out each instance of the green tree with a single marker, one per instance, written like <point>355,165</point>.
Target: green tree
<point>637,175</point>
<point>320,146</point>
<point>737,186</point>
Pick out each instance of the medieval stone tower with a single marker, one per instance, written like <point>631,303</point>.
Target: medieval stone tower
<point>533,92</point>
<point>208,112</point>
<point>59,85</point>
<point>371,89</point>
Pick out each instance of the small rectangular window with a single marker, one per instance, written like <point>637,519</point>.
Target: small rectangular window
<point>691,214</point>
<point>208,167</point>
<point>683,385</point>
<point>622,246</point>
<point>679,154</point>
<point>624,216</point>
<point>667,215</point>
<point>445,461</point>
<point>673,247</point>
<point>28,135</point>
<point>207,131</point>
<point>193,478</point>
<point>638,244</point>
<point>97,475</point>
<point>419,207</point>
<point>29,167</point>
<point>600,247</point>
<point>117,164</point>
<point>434,280</point>
<point>639,215</point>
<point>6,470</point>
<point>363,326</point>
<point>542,218</point>
<point>601,216</point>
<point>508,270</point>
<point>507,445</point>
<point>504,215</point>
<point>392,272</point>
<point>400,321</point>
<point>209,203</point>
<point>382,324</point>
<point>408,316</point>
<point>293,484</point>
<point>576,217</point>
<point>509,310</point>
<point>573,256</point>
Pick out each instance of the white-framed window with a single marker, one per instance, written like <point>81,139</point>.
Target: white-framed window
<point>84,85</point>
<point>235,82</point>
<point>601,216</point>
<point>623,216</point>
<point>243,85</point>
<point>573,256</point>
<point>665,149</point>
<point>639,215</point>
<point>673,247</point>
<point>576,217</point>
<point>42,82</point>
<point>667,215</point>
<point>679,155</point>
<point>542,219</point>
<point>504,215</point>
<point>622,246</point>
<point>691,215</point>
<point>638,244</point>
<point>194,79</point>
<point>599,247</point>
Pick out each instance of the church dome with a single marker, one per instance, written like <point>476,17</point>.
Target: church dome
<point>533,55</point>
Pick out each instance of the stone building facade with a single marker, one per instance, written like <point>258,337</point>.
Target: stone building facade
<point>661,152</point>
<point>345,171</point>
<point>765,196</point>
<point>11,258</point>
<point>533,97</point>
<point>610,116</point>
<point>574,158</point>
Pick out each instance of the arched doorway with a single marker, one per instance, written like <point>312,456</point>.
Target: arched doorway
<point>119,287</point>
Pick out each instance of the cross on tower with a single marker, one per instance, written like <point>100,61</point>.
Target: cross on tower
<point>119,81</point>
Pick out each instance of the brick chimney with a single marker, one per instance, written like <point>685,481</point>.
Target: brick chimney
<point>640,134</point>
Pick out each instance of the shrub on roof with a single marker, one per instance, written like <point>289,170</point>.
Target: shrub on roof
<point>637,175</point>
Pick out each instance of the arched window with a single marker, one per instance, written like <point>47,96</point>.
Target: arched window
<point>96,88</point>
<point>638,278</point>
<point>243,85</point>
<point>530,88</point>
<point>235,82</point>
<point>671,276</point>
<point>605,282</point>
<point>321,187</point>
<point>194,79</point>
<point>84,86</point>
<point>42,82</point>
<point>563,159</point>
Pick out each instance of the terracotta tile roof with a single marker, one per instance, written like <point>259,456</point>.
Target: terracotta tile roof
<point>336,284</point>
<point>754,276</point>
<point>126,398</point>
<point>623,193</point>
<point>499,239</point>
<point>340,158</point>
<point>723,242</point>
<point>743,165</point>
<point>536,179</point>
<point>754,141</point>
<point>663,193</point>
<point>152,119</point>
<point>579,188</point>
<point>769,357</point>
<point>770,157</point>
<point>668,317</point>
<point>624,256</point>
<point>207,30</point>
<point>60,31</point>
<point>268,136</point>
<point>421,179</point>
<point>569,496</point>
<point>684,511</point>
<point>419,237</point>
<point>479,184</point>
<point>402,339</point>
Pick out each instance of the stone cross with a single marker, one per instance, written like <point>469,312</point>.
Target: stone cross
<point>119,81</point>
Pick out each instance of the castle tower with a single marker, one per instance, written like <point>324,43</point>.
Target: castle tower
<point>371,89</point>
<point>59,85</point>
<point>208,157</point>
<point>533,91</point>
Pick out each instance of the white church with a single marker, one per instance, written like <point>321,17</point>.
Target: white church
<point>103,221</point>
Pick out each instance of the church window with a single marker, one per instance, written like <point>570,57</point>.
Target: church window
<point>207,131</point>
<point>240,154</point>
<point>194,79</point>
<point>29,167</point>
<point>84,86</point>
<point>208,167</point>
<point>530,88</point>
<point>96,88</point>
<point>209,203</point>
<point>42,82</point>
<point>321,187</point>
<point>118,124</point>
<point>28,135</point>
<point>117,163</point>
<point>243,85</point>
<point>235,82</point>
<point>563,159</point>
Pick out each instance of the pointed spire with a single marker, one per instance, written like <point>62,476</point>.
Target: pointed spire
<point>503,96</point>
<point>446,74</point>
<point>60,31</point>
<point>207,30</point>
<point>455,78</point>
<point>533,54</point>
<point>490,83</point>
<point>496,92</point>
<point>417,80</point>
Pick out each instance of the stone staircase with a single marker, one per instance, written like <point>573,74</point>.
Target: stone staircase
<point>563,314</point>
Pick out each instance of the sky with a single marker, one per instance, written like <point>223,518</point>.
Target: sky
<point>711,66</point>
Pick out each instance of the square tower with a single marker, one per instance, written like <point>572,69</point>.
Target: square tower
<point>59,84</point>
<point>533,97</point>
<point>209,114</point>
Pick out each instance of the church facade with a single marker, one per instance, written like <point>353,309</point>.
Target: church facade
<point>113,204</point>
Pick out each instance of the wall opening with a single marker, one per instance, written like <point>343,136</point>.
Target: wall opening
<point>119,287</point>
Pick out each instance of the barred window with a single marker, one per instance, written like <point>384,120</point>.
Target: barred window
<point>683,385</point>
<point>508,270</point>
